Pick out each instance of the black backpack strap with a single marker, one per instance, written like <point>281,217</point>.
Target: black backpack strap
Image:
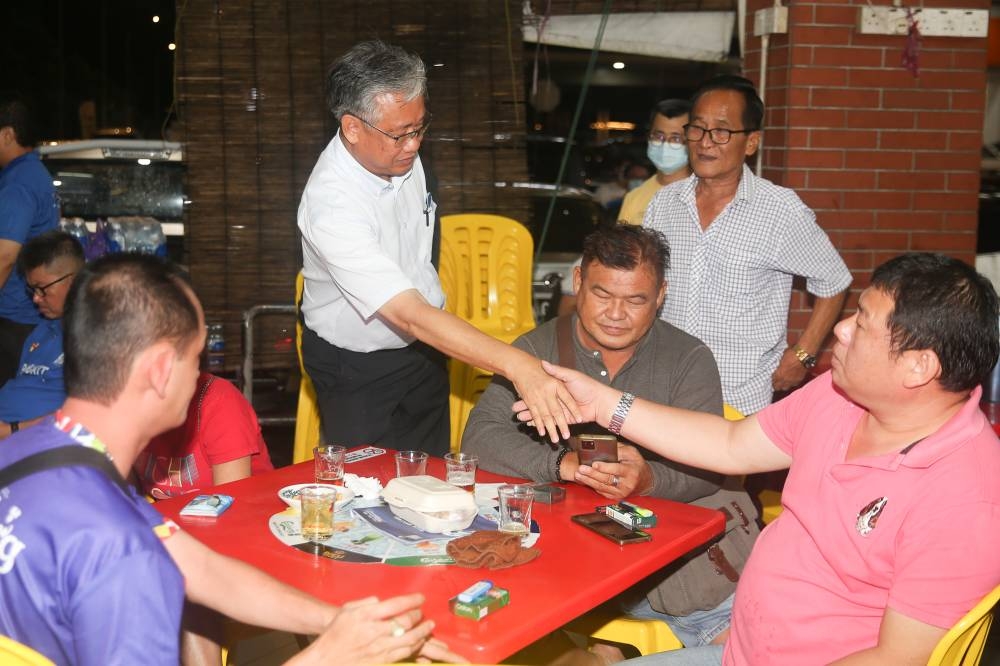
<point>73,455</point>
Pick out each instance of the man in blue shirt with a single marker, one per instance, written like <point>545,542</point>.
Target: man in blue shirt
<point>48,262</point>
<point>28,207</point>
<point>90,573</point>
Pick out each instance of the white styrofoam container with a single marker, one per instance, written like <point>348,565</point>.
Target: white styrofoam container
<point>430,504</point>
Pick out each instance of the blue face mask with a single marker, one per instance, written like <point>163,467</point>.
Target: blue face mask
<point>667,157</point>
<point>634,183</point>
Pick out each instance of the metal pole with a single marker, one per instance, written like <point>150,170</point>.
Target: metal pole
<point>248,320</point>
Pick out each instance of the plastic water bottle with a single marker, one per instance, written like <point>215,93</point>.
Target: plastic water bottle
<point>144,240</point>
<point>98,245</point>
<point>115,232</point>
<point>158,239</point>
<point>78,229</point>
<point>216,346</point>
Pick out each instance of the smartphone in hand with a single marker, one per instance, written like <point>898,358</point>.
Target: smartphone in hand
<point>594,448</point>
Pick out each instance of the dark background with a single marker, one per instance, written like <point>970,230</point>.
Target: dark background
<point>59,53</point>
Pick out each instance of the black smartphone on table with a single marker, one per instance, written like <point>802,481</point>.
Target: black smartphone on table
<point>609,529</point>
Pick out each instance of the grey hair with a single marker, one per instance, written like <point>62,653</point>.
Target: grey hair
<point>369,70</point>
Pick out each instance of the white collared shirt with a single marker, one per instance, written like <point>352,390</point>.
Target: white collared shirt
<point>364,240</point>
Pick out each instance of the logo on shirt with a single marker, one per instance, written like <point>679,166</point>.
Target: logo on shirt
<point>10,545</point>
<point>868,516</point>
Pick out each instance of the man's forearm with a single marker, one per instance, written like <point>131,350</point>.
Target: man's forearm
<point>243,592</point>
<point>825,313</point>
<point>451,335</point>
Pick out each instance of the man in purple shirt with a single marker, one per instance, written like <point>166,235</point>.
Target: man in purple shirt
<point>89,572</point>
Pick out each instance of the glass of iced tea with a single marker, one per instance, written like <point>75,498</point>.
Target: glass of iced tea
<point>317,512</point>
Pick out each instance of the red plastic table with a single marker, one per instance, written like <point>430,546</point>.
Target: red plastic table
<point>576,571</point>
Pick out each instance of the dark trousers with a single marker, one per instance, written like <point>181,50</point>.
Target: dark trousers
<point>397,398</point>
<point>12,337</point>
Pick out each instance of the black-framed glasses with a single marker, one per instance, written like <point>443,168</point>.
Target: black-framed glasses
<point>415,134</point>
<point>719,135</point>
<point>40,291</point>
<point>659,138</point>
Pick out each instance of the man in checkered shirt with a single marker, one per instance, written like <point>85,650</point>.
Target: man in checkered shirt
<point>737,241</point>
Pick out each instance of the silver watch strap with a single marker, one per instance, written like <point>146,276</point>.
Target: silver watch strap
<point>621,411</point>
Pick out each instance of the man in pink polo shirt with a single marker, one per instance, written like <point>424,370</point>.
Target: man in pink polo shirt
<point>891,519</point>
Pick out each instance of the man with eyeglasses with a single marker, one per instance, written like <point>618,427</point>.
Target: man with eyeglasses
<point>28,207</point>
<point>737,241</point>
<point>48,262</point>
<point>374,329</point>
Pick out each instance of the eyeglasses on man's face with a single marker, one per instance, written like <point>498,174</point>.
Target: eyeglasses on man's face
<point>416,134</point>
<point>40,290</point>
<point>719,135</point>
<point>659,138</point>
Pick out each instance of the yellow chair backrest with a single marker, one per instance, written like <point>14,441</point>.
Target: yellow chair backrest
<point>13,653</point>
<point>307,413</point>
<point>485,272</point>
<point>491,258</point>
<point>963,644</point>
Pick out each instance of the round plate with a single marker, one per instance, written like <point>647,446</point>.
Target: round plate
<point>290,494</point>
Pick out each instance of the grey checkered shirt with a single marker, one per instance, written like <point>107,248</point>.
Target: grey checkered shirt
<point>730,284</point>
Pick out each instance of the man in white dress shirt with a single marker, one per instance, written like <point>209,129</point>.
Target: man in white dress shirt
<point>374,328</point>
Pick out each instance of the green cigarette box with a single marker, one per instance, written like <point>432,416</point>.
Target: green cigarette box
<point>630,515</point>
<point>490,602</point>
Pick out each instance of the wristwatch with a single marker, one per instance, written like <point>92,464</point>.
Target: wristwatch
<point>805,358</point>
<point>621,411</point>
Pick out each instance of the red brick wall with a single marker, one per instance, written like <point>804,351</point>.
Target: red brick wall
<point>889,162</point>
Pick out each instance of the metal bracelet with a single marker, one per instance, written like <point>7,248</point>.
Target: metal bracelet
<point>621,411</point>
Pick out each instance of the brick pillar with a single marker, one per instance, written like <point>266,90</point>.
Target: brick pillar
<point>889,162</point>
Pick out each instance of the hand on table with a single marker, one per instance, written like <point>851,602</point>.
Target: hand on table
<point>552,408</point>
<point>435,651</point>
<point>629,476</point>
<point>370,631</point>
<point>790,372</point>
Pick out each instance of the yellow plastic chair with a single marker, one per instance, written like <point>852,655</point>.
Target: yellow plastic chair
<point>307,413</point>
<point>485,272</point>
<point>13,653</point>
<point>647,636</point>
<point>770,505</point>
<point>491,257</point>
<point>473,381</point>
<point>963,644</point>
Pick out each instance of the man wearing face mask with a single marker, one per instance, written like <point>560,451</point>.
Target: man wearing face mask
<point>667,150</point>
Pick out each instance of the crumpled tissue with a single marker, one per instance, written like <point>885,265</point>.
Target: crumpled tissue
<point>367,487</point>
